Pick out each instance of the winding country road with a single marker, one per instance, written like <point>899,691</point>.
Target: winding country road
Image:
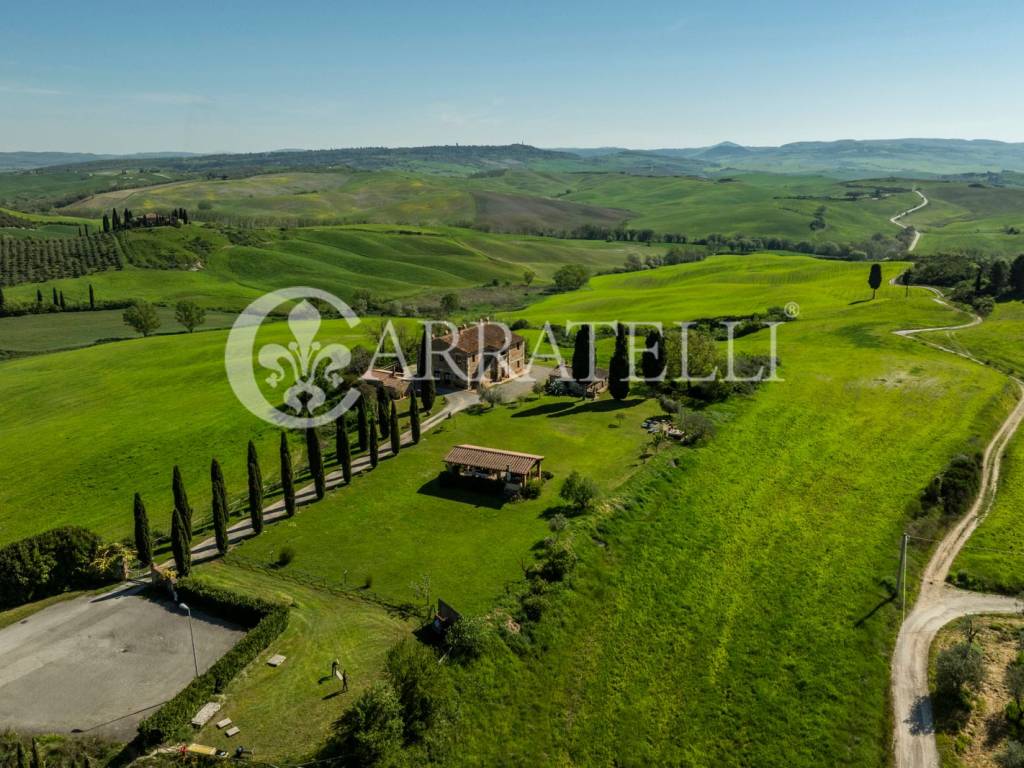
<point>939,603</point>
<point>896,220</point>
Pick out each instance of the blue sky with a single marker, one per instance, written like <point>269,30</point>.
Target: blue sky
<point>219,76</point>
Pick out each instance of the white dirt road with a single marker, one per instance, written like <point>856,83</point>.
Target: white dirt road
<point>896,220</point>
<point>939,603</point>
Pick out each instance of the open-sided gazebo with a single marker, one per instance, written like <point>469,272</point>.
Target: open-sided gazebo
<point>513,467</point>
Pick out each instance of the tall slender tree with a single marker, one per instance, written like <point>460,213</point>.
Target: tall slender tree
<point>652,362</point>
<point>875,279</point>
<point>181,501</point>
<point>997,277</point>
<point>180,544</point>
<point>219,494</point>
<point>362,422</point>
<point>92,297</point>
<point>383,412</point>
<point>106,223</point>
<point>115,220</point>
<point>395,433</point>
<point>428,393</point>
<point>143,538</point>
<point>287,476</point>
<point>1,298</point>
<point>343,448</point>
<point>414,417</point>
<point>374,456</point>
<point>618,368</point>
<point>316,461</point>
<point>255,476</point>
<point>583,353</point>
<point>61,300</point>
<point>39,296</point>
<point>55,300</point>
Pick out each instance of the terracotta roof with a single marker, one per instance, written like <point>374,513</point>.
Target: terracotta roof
<point>468,341</point>
<point>492,458</point>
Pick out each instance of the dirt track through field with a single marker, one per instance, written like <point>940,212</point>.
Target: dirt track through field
<point>939,603</point>
<point>917,235</point>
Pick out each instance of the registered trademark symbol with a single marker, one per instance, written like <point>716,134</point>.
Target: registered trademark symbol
<point>792,310</point>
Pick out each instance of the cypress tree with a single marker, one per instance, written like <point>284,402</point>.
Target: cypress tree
<point>255,490</point>
<point>39,296</point>
<point>180,544</point>
<point>116,220</point>
<point>61,298</point>
<point>428,393</point>
<point>344,450</point>
<point>618,368</point>
<point>106,223</point>
<point>92,297</point>
<point>143,539</point>
<point>287,477</point>
<point>421,361</point>
<point>652,362</point>
<point>396,435</point>
<point>22,756</point>
<point>383,412</point>
<point>220,507</point>
<point>875,278</point>
<point>181,502</point>
<point>374,457</point>
<point>316,462</point>
<point>55,301</point>
<point>37,755</point>
<point>1,298</point>
<point>583,353</point>
<point>414,418</point>
<point>362,423</point>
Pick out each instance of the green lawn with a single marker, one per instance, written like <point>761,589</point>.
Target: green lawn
<point>66,330</point>
<point>398,524</point>
<point>286,712</point>
<point>113,419</point>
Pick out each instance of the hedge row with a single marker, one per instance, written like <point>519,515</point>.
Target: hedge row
<point>49,563</point>
<point>266,621</point>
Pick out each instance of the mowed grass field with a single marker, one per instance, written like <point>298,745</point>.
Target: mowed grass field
<point>66,330</point>
<point>735,613</point>
<point>83,430</point>
<point>397,523</point>
<point>529,201</point>
<point>390,262</point>
<point>970,216</point>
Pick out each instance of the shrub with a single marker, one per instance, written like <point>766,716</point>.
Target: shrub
<point>467,637</point>
<point>50,563</point>
<point>285,556</point>
<point>1012,755</point>
<point>370,733</point>
<point>696,427</point>
<point>422,686</point>
<point>557,564</point>
<point>957,668</point>
<point>531,490</point>
<point>960,484</point>
<point>579,491</point>
<point>266,619</point>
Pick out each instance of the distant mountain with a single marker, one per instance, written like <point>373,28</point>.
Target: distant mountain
<point>26,161</point>
<point>845,158</point>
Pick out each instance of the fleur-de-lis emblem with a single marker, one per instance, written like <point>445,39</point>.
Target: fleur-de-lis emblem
<point>309,362</point>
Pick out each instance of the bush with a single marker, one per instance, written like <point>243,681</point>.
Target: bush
<point>558,563</point>
<point>579,491</point>
<point>467,638</point>
<point>957,668</point>
<point>1012,755</point>
<point>370,733</point>
<point>266,619</point>
<point>50,563</point>
<point>960,484</point>
<point>422,686</point>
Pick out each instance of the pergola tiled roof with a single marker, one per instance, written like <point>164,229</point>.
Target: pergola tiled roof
<point>492,459</point>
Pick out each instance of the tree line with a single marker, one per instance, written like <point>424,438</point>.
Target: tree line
<point>126,219</point>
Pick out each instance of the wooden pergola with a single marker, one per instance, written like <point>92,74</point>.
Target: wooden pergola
<point>494,464</point>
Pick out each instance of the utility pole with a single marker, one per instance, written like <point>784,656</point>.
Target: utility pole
<point>901,575</point>
<point>191,634</point>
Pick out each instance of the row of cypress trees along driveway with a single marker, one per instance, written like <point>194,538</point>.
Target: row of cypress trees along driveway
<point>368,436</point>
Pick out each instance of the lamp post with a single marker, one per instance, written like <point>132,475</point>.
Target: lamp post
<point>191,634</point>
